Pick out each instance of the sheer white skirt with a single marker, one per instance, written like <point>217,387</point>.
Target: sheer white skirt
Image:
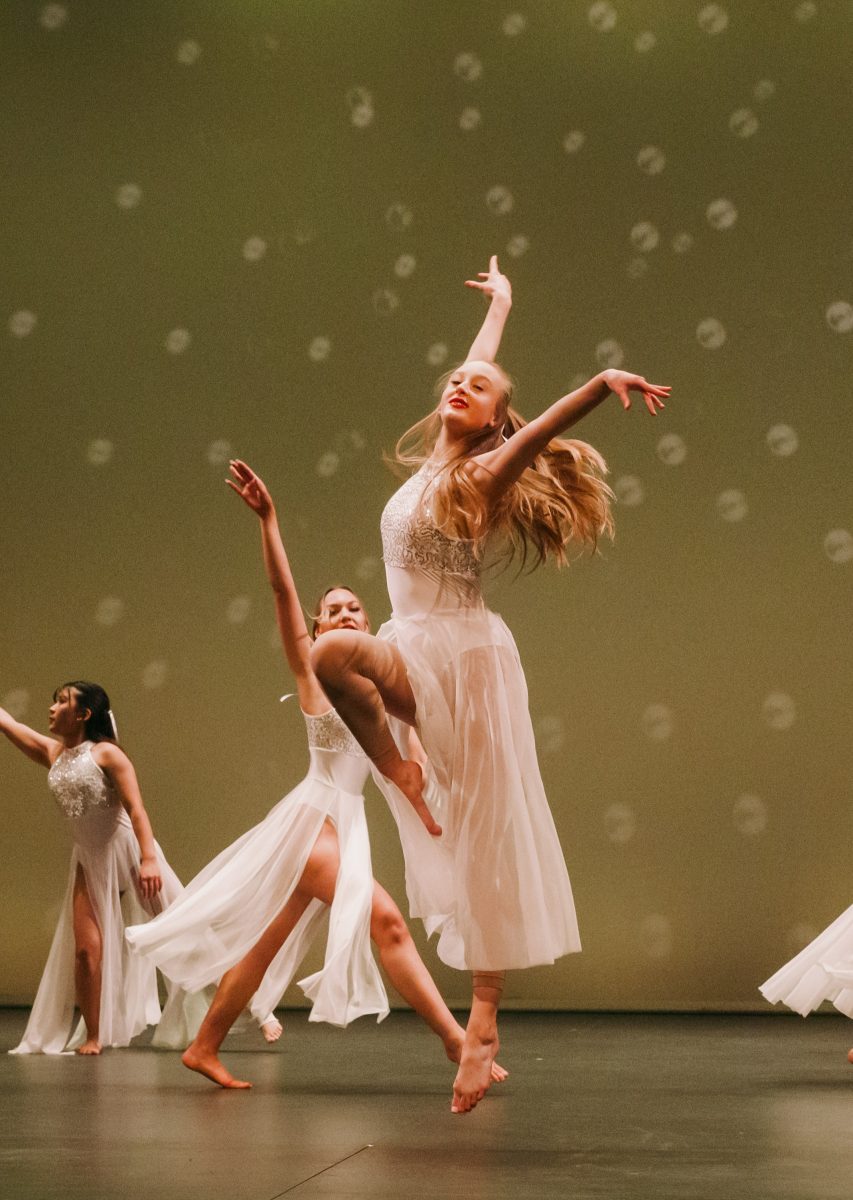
<point>222,913</point>
<point>129,995</point>
<point>495,885</point>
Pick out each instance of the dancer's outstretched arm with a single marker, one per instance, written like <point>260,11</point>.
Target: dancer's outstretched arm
<point>497,287</point>
<point>295,638</point>
<point>35,745</point>
<point>505,464</point>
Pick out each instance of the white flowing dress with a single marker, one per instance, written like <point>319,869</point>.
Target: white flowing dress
<point>495,885</point>
<point>222,913</point>
<point>107,852</point>
<point>821,971</point>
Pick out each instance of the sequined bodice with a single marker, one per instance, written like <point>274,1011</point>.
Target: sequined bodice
<point>78,784</point>
<point>411,539</point>
<point>336,757</point>
<point>328,732</point>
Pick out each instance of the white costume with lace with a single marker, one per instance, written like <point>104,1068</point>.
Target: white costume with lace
<point>107,853</point>
<point>495,884</point>
<point>222,913</point>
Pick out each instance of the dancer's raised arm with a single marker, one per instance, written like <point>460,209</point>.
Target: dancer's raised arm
<point>295,638</point>
<point>35,745</point>
<point>505,464</point>
<point>497,287</point>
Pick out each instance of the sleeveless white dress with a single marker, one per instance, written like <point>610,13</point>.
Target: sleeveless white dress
<point>106,849</point>
<point>821,971</point>
<point>222,913</point>
<point>495,884</point>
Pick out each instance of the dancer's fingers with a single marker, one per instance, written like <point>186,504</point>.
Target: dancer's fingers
<point>493,265</point>
<point>241,469</point>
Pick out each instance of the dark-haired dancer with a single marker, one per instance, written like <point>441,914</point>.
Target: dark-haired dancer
<point>115,859</point>
<point>247,920</point>
<point>496,885</point>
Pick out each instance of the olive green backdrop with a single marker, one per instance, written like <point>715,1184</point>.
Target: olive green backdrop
<point>242,228</point>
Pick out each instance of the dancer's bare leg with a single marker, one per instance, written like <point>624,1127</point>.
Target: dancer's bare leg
<point>366,679</point>
<point>850,1056</point>
<point>481,1042</point>
<point>238,985</point>
<point>406,970</point>
<point>88,953</point>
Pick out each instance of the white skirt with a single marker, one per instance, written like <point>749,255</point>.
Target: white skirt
<point>822,971</point>
<point>129,998</point>
<point>222,913</point>
<point>495,885</point>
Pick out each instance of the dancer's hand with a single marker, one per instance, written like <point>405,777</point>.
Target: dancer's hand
<point>149,878</point>
<point>250,488</point>
<point>409,778</point>
<point>622,383</point>
<point>492,283</point>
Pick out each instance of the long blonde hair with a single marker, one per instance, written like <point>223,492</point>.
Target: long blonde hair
<point>560,499</point>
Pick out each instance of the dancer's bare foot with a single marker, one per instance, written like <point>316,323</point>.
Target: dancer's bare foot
<point>209,1065</point>
<point>474,1076</point>
<point>90,1046</point>
<point>409,778</point>
<point>271,1029</point>
<point>453,1047</point>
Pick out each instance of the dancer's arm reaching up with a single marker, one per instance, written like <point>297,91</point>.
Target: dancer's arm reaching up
<point>295,638</point>
<point>497,287</point>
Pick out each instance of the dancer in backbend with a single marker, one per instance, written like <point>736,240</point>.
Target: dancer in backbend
<point>495,884</point>
<point>823,970</point>
<point>249,917</point>
<point>115,858</point>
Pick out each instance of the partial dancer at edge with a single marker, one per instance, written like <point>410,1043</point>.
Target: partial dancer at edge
<point>823,970</point>
<point>251,914</point>
<point>115,864</point>
<point>495,885</point>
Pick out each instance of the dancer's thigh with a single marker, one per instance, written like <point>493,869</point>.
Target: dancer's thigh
<point>320,876</point>
<point>347,652</point>
<point>87,932</point>
<point>317,882</point>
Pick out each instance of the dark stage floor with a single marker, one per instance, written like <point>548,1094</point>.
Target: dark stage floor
<point>617,1106</point>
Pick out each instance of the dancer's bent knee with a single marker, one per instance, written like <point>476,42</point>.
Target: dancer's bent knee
<point>334,656</point>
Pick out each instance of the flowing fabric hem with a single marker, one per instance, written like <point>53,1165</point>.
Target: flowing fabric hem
<point>129,995</point>
<point>226,908</point>
<point>822,971</point>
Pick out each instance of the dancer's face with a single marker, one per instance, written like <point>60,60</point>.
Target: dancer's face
<point>65,717</point>
<point>342,609</point>
<point>472,398</point>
